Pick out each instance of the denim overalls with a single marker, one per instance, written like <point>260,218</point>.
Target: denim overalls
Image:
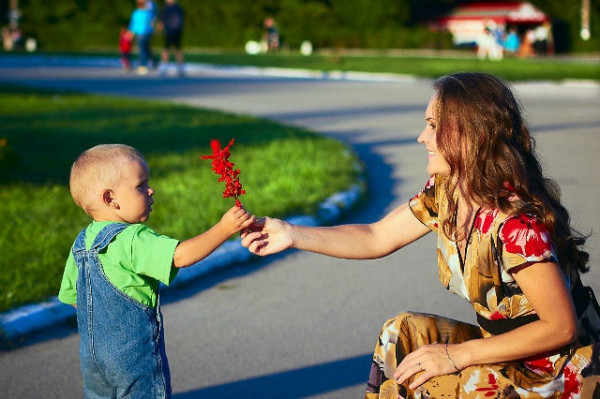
<point>122,346</point>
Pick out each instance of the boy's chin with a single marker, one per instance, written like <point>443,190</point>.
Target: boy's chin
<point>142,219</point>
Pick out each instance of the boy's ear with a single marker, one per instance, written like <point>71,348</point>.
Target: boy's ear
<point>108,199</point>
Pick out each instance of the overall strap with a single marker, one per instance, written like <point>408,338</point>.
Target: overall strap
<point>79,244</point>
<point>106,235</point>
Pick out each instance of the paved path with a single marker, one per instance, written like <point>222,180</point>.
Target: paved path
<point>301,325</point>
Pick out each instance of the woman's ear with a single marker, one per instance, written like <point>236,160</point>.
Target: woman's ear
<point>108,199</point>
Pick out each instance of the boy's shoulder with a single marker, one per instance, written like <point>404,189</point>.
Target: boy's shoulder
<point>95,227</point>
<point>136,231</point>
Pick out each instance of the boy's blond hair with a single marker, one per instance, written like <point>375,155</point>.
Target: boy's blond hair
<point>96,170</point>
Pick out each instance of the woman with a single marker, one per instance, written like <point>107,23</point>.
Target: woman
<point>504,244</point>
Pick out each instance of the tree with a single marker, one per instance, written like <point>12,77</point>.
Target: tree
<point>94,24</point>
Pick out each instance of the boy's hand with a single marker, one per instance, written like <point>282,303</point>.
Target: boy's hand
<point>236,219</point>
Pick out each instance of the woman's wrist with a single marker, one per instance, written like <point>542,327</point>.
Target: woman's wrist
<point>456,368</point>
<point>462,353</point>
<point>292,233</point>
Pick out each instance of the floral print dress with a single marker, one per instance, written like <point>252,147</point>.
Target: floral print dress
<point>497,243</point>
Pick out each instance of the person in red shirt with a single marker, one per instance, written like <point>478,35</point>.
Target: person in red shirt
<point>125,44</point>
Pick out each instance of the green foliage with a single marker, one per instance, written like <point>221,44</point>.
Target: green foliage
<point>8,159</point>
<point>432,66</point>
<point>566,24</point>
<point>75,24</point>
<point>285,171</point>
<point>88,24</point>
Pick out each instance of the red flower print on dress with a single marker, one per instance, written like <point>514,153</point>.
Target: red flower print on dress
<point>497,316</point>
<point>485,219</point>
<point>540,365</point>
<point>525,235</point>
<point>572,383</point>
<point>492,388</point>
<point>430,183</point>
<point>223,167</point>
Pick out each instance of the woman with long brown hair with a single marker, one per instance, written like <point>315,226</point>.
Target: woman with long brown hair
<point>504,243</point>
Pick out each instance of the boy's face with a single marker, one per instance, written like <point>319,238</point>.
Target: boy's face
<point>134,194</point>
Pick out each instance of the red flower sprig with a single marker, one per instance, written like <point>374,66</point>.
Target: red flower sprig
<point>225,168</point>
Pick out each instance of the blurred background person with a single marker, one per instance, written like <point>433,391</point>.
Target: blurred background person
<point>541,34</point>
<point>511,42</point>
<point>125,45</point>
<point>271,35</point>
<point>141,25</point>
<point>488,43</point>
<point>171,22</point>
<point>526,48</point>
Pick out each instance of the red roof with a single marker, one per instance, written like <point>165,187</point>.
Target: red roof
<point>500,12</point>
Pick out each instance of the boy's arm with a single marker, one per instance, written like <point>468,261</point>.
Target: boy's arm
<point>68,286</point>
<point>197,248</point>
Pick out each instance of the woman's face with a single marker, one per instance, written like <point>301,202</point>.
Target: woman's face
<point>436,165</point>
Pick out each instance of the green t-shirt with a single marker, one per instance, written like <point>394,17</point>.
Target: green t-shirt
<point>134,262</point>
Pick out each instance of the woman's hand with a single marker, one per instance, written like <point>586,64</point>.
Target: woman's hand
<point>267,236</point>
<point>424,363</point>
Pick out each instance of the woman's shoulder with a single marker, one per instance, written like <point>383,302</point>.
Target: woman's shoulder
<point>425,204</point>
<point>432,188</point>
<point>525,235</point>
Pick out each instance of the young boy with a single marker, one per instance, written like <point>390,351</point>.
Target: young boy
<point>113,273</point>
<point>125,44</point>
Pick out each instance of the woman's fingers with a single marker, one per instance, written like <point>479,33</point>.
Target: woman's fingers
<point>426,362</point>
<point>249,238</point>
<point>407,369</point>
<point>420,378</point>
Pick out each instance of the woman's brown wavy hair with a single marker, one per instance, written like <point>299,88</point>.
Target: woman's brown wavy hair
<point>492,157</point>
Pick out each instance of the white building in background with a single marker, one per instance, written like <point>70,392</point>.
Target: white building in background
<point>467,23</point>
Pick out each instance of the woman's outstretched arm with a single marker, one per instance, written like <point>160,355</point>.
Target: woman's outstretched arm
<point>354,241</point>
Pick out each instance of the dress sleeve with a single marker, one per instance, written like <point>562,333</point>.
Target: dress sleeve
<point>524,239</point>
<point>425,206</point>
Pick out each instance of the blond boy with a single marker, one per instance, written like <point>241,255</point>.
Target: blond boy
<point>113,272</point>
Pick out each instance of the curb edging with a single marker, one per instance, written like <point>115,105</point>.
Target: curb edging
<point>35,317</point>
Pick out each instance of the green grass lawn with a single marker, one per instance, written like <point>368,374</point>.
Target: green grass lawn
<point>285,171</point>
<point>432,65</point>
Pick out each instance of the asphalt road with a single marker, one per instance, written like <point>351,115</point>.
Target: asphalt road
<point>301,325</point>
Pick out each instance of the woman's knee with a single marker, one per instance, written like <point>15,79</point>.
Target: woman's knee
<point>405,317</point>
